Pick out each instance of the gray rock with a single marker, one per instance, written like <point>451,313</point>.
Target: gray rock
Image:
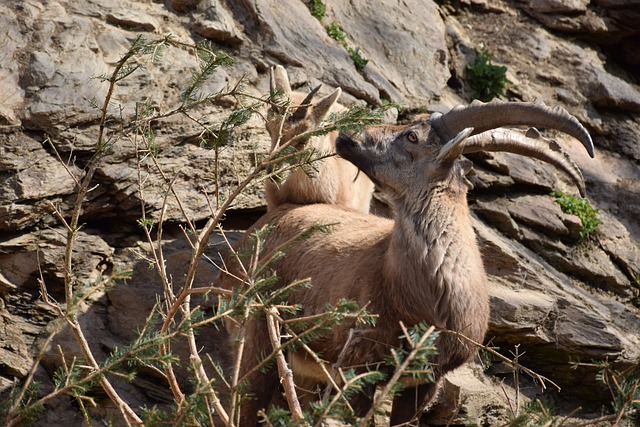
<point>568,317</point>
<point>14,348</point>
<point>587,262</point>
<point>132,19</point>
<point>496,214</point>
<point>520,309</point>
<point>483,180</point>
<point>215,22</point>
<point>545,214</point>
<point>41,69</point>
<point>191,171</point>
<point>558,6</point>
<point>615,240</point>
<point>569,97</point>
<point>10,71</point>
<point>182,6</point>
<point>300,40</point>
<point>613,182</point>
<point>528,171</point>
<point>27,256</point>
<point>34,179</point>
<point>405,43</point>
<point>534,220</point>
<point>20,216</point>
<point>586,23</point>
<point>65,99</point>
<point>608,91</point>
<point>513,169</point>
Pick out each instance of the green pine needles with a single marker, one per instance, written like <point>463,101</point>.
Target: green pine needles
<point>209,60</point>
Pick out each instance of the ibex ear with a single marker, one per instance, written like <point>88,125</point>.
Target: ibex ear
<point>302,111</point>
<point>321,109</point>
<point>279,82</point>
<point>465,166</point>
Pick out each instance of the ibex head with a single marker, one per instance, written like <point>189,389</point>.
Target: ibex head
<point>295,114</point>
<point>427,151</point>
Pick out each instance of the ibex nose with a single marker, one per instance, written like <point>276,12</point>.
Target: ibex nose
<point>346,143</point>
<point>346,137</point>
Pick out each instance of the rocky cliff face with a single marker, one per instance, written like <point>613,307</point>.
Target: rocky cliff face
<point>560,300</point>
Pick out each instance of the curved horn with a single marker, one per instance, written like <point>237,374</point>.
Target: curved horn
<point>455,147</point>
<point>486,116</point>
<point>279,82</point>
<point>303,109</point>
<point>530,144</point>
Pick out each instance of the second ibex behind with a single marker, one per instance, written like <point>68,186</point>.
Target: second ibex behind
<point>330,179</point>
<point>424,266</point>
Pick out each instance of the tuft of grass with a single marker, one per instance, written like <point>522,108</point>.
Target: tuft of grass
<point>358,59</point>
<point>335,31</point>
<point>487,80</point>
<point>588,214</point>
<point>318,9</point>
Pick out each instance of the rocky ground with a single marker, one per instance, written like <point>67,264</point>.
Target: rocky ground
<point>559,300</point>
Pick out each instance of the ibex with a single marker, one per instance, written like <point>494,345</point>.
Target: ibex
<point>329,180</point>
<point>424,266</point>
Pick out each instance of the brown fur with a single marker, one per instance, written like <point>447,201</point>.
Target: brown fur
<point>418,268</point>
<point>423,267</point>
<point>330,180</point>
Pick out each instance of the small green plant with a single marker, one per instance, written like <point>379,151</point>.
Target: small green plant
<point>318,9</point>
<point>358,60</point>
<point>335,31</point>
<point>588,214</point>
<point>487,80</point>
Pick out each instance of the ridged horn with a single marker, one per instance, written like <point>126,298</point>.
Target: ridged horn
<point>530,144</point>
<point>279,83</point>
<point>486,116</point>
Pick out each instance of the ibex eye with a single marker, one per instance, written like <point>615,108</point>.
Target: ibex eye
<point>412,137</point>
